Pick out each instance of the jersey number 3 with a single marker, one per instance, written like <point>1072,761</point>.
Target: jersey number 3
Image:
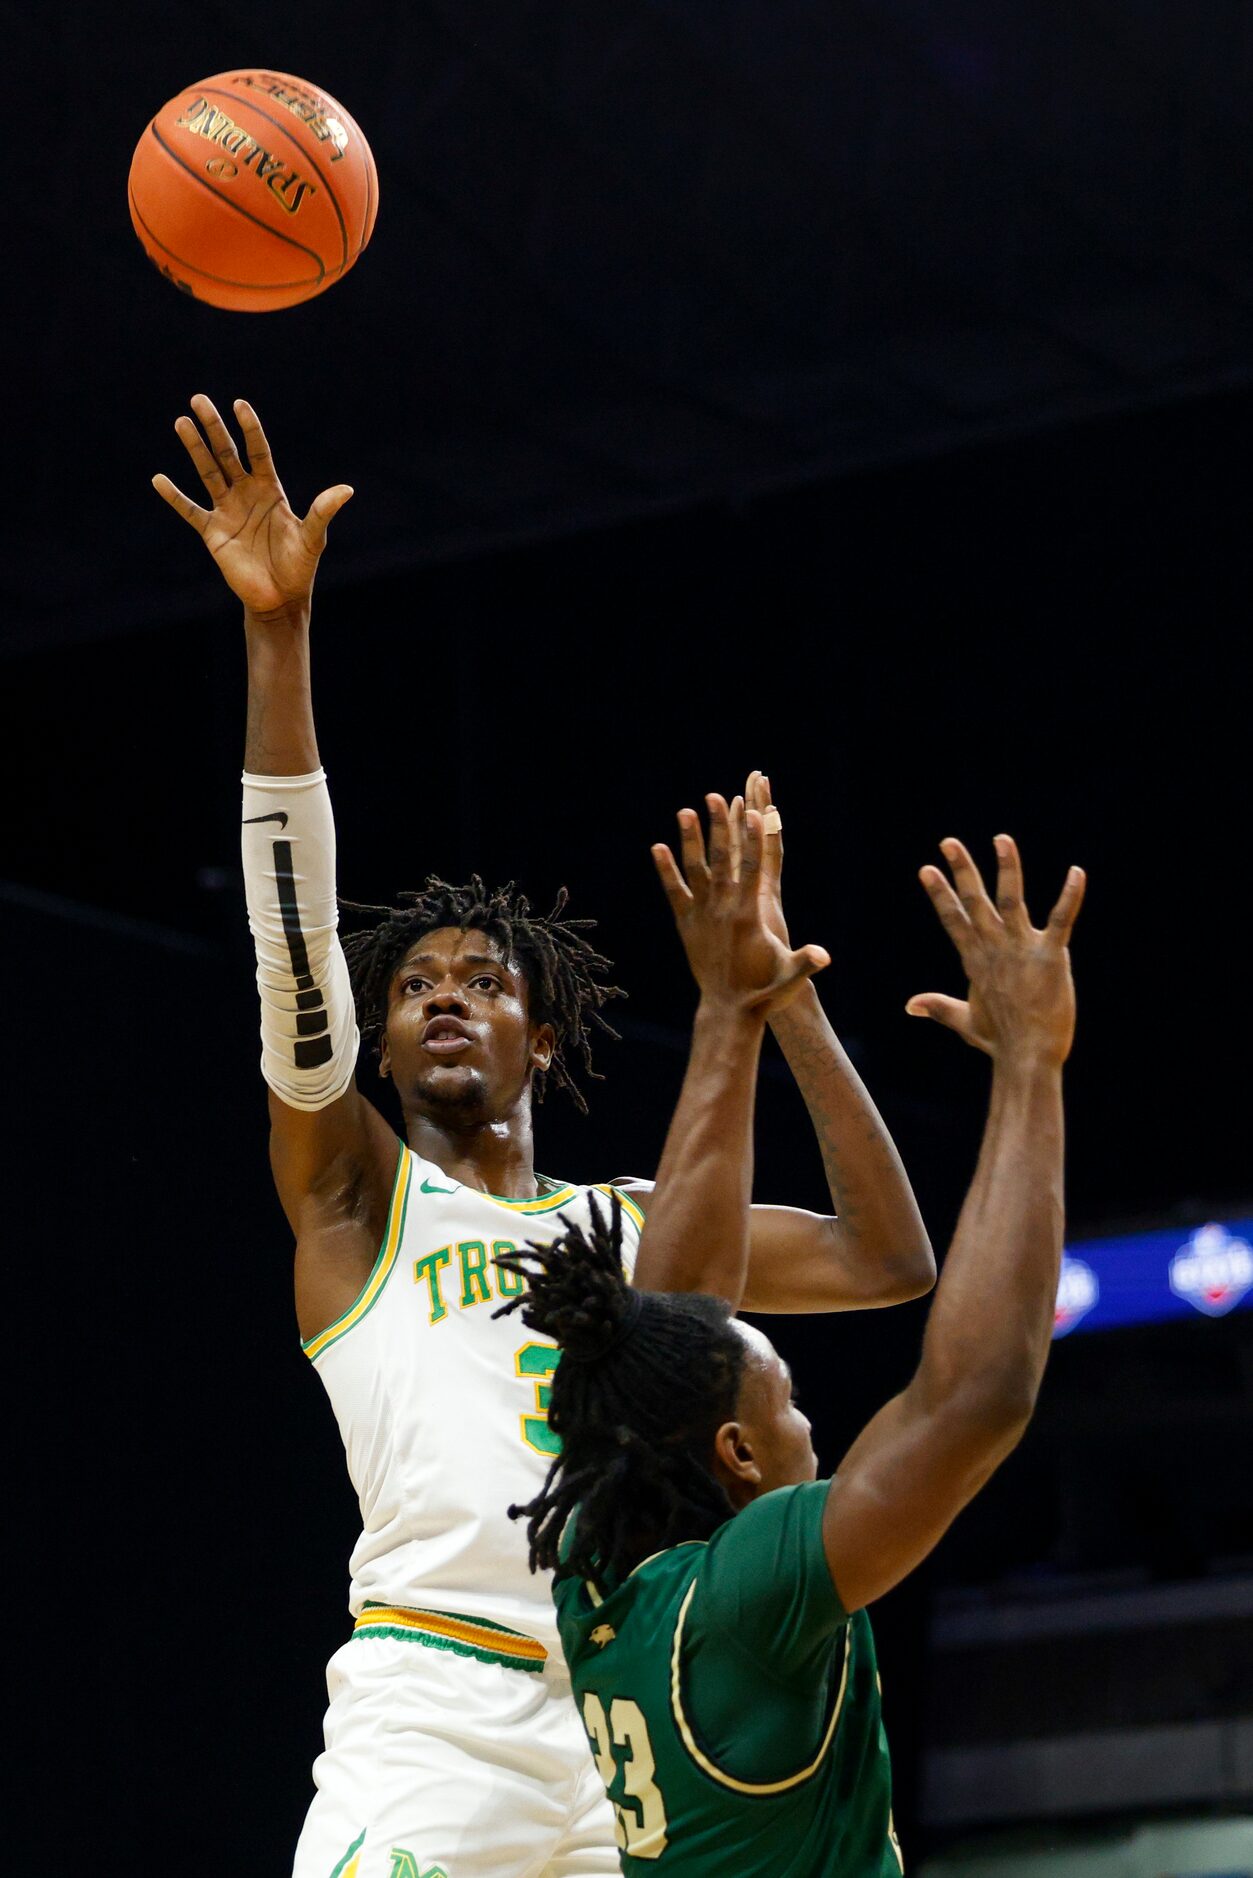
<point>535,1363</point>
<point>642,1833</point>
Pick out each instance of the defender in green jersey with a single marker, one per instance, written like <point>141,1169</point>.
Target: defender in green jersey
<point>710,1591</point>
<point>733,1705</point>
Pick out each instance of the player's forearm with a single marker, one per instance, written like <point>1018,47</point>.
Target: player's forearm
<point>696,1232</point>
<point>870,1191</point>
<point>308,1023</point>
<point>990,1326</point>
<point>280,740</point>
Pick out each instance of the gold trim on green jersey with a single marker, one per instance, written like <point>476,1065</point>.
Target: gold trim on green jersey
<point>762,1789</point>
<point>594,1594</point>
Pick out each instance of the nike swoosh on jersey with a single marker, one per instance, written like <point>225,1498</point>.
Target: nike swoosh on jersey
<point>426,1187</point>
<point>280,817</point>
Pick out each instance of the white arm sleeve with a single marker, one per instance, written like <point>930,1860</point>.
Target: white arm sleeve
<point>309,1031</point>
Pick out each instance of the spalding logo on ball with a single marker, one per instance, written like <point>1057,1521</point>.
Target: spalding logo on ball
<point>253,190</point>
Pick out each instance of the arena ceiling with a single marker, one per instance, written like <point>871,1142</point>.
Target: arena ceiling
<point>628,259</point>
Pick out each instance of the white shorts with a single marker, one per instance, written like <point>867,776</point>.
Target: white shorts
<point>441,1766</point>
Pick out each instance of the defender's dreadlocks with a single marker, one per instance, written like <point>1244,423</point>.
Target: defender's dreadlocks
<point>645,1381</point>
<point>563,972</point>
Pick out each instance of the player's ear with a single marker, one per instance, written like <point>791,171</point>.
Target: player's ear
<point>735,1464</point>
<point>543,1046</point>
<point>385,1057</point>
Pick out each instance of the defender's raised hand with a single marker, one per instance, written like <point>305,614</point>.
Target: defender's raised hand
<point>267,554</point>
<point>757,795</point>
<point>1021,998</point>
<point>735,956</point>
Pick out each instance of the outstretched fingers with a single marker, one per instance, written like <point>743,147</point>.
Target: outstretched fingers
<point>968,881</point>
<point>692,848</point>
<point>737,834</point>
<point>181,504</point>
<point>953,1013</point>
<point>750,859</point>
<point>221,442</point>
<point>1009,894</point>
<point>1064,914</point>
<point>322,513</point>
<point>799,968</point>
<point>206,465</point>
<point>758,795</point>
<point>260,459</point>
<point>721,841</point>
<point>948,907</point>
<point>673,884</point>
<point>807,960</point>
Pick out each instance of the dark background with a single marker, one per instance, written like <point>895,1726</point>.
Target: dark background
<point>724,387</point>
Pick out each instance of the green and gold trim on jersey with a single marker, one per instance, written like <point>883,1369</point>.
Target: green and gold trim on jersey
<point>372,1290</point>
<point>628,1205</point>
<point>350,1864</point>
<point>447,1630</point>
<point>557,1197</point>
<point>542,1203</point>
<point>761,1789</point>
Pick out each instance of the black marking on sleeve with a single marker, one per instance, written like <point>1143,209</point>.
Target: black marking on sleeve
<point>313,1045</point>
<point>286,883</point>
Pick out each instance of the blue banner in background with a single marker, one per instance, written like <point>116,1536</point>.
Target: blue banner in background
<point>1145,1277</point>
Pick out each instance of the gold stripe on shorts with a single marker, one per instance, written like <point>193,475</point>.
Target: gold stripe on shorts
<point>447,1630</point>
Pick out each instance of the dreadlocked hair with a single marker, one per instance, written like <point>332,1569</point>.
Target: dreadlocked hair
<point>645,1381</point>
<point>564,973</point>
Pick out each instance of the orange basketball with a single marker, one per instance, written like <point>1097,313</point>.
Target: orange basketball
<point>253,190</point>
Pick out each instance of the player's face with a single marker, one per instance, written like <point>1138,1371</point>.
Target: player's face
<point>459,1043</point>
<point>773,1445</point>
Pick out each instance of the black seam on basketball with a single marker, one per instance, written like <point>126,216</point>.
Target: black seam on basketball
<point>246,213</point>
<point>209,91</point>
<point>371,206</point>
<point>371,179</point>
<point>223,280</point>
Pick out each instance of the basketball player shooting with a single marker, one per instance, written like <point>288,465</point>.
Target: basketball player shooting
<point>452,1743</point>
<point>711,1590</point>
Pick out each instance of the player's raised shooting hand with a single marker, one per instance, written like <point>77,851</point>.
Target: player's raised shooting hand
<point>1021,1000</point>
<point>268,555</point>
<point>736,959</point>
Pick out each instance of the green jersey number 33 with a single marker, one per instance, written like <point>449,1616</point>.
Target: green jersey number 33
<point>641,1825</point>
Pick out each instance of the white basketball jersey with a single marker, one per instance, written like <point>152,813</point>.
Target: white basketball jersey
<point>443,1408</point>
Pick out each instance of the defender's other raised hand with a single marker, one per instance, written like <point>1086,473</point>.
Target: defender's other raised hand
<point>757,795</point>
<point>735,956</point>
<point>1021,999</point>
<point>267,554</point>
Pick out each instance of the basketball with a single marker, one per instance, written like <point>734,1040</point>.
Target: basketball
<point>253,190</point>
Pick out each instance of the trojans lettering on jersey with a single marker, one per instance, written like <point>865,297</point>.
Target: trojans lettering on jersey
<point>443,1408</point>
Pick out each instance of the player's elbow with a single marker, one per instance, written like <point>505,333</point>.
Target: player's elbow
<point>977,1416</point>
<point>906,1271</point>
<point>988,1415</point>
<point>887,1269</point>
<point>912,1273</point>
